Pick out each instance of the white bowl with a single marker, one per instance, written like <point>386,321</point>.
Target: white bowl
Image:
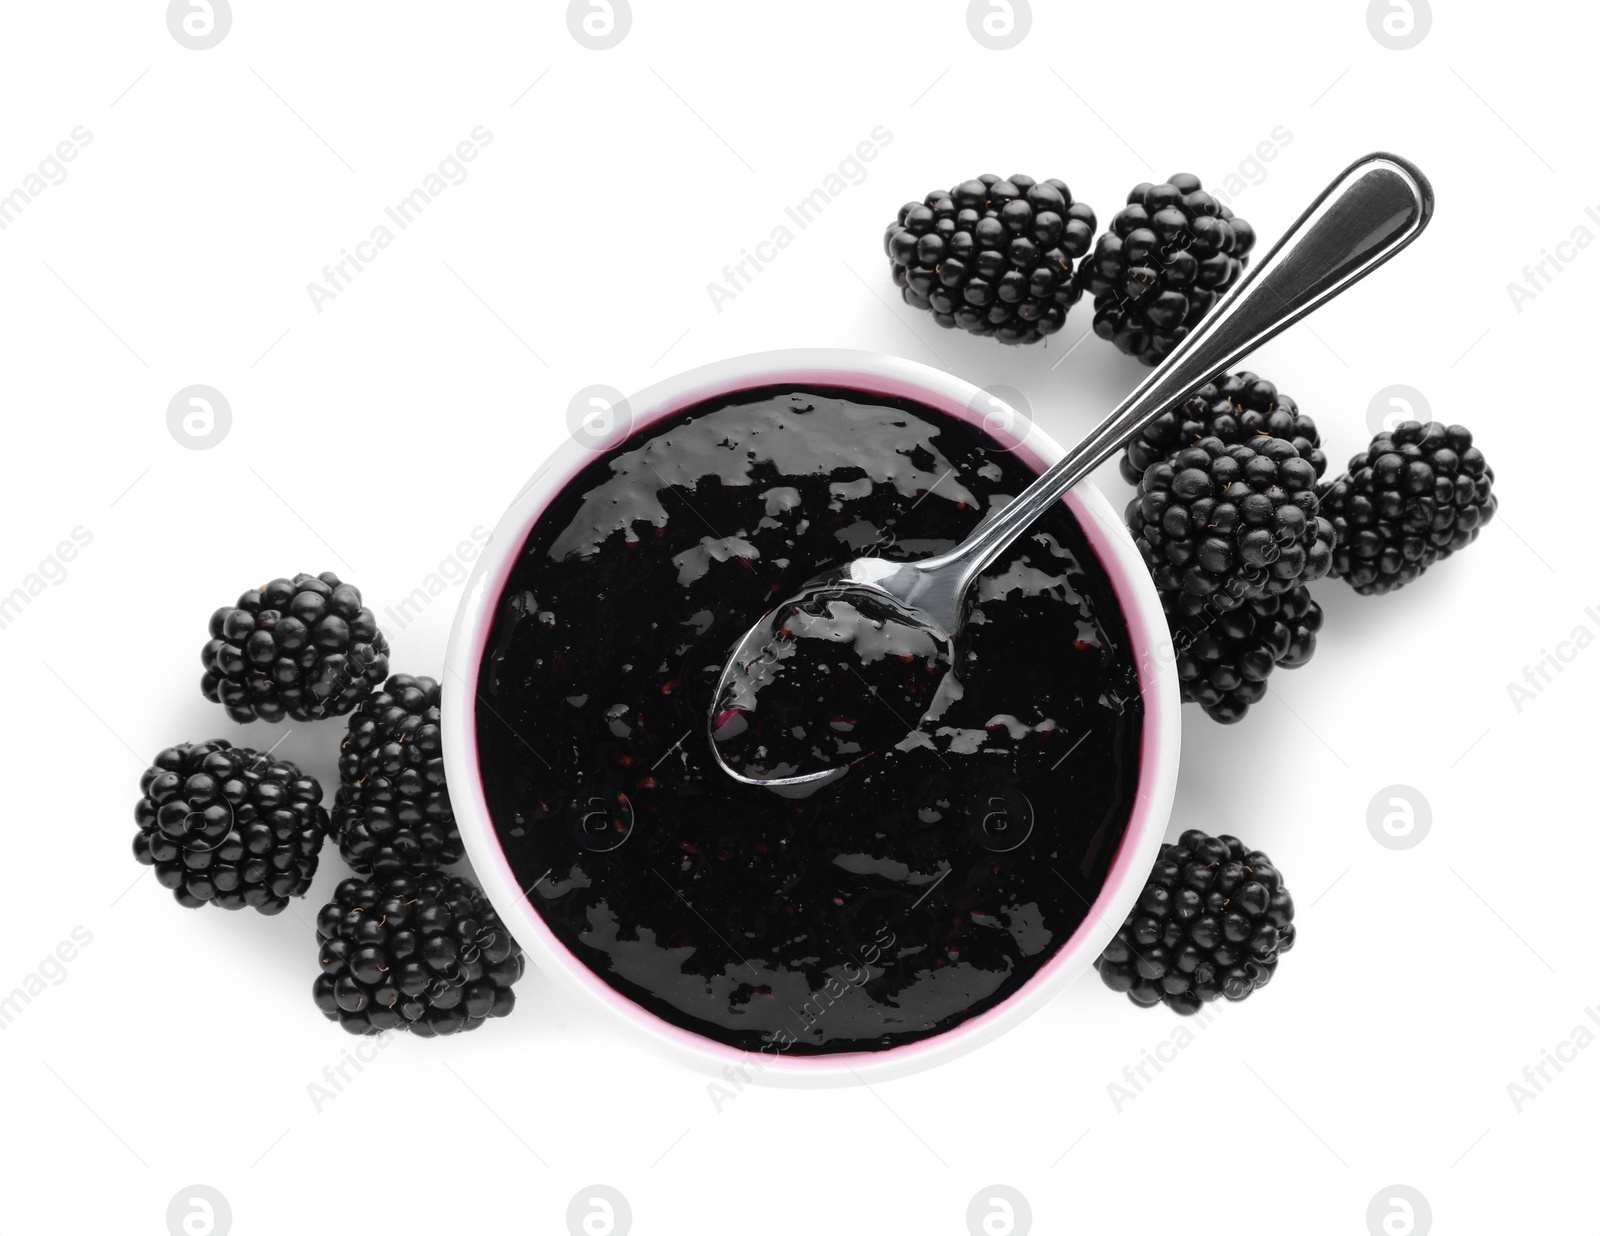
<point>1106,533</point>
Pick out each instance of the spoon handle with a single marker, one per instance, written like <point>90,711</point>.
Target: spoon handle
<point>1375,208</point>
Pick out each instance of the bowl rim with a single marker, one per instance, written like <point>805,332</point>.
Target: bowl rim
<point>872,373</point>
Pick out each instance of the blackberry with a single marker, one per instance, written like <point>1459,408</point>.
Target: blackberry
<point>302,648</point>
<point>1212,921</point>
<point>1224,659</point>
<point>1167,256</point>
<point>229,826</point>
<point>1238,408</point>
<point>1416,495</point>
<point>994,257</point>
<point>1228,523</point>
<point>392,811</point>
<point>421,951</point>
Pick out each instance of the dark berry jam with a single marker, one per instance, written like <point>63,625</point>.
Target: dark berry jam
<point>924,886</point>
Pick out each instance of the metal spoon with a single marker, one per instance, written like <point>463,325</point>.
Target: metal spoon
<point>1375,208</point>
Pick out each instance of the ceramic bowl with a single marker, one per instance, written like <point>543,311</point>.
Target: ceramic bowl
<point>873,374</point>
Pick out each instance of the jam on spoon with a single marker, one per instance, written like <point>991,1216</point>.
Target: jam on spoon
<point>832,676</point>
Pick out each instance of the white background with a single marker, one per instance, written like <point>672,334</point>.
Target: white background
<point>372,437</point>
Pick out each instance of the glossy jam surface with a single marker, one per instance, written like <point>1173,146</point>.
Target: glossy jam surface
<point>930,881</point>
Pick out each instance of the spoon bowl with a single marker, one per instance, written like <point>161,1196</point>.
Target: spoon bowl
<point>842,669</point>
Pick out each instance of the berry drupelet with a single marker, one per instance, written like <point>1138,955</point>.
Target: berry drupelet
<point>229,826</point>
<point>1211,922</point>
<point>1228,523</point>
<point>392,812</point>
<point>303,648</point>
<point>992,256</point>
<point>1224,659</point>
<point>423,951</point>
<point>1237,408</point>
<point>1167,256</point>
<point>1416,495</point>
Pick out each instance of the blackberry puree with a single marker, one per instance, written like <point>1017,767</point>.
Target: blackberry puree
<point>923,887</point>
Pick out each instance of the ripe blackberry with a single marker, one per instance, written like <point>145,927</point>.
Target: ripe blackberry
<point>1230,523</point>
<point>392,812</point>
<point>421,951</point>
<point>1237,408</point>
<point>1169,253</point>
<point>1416,495</point>
<point>230,826</point>
<point>1212,921</point>
<point>992,256</point>
<point>302,648</point>
<point>1224,658</point>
